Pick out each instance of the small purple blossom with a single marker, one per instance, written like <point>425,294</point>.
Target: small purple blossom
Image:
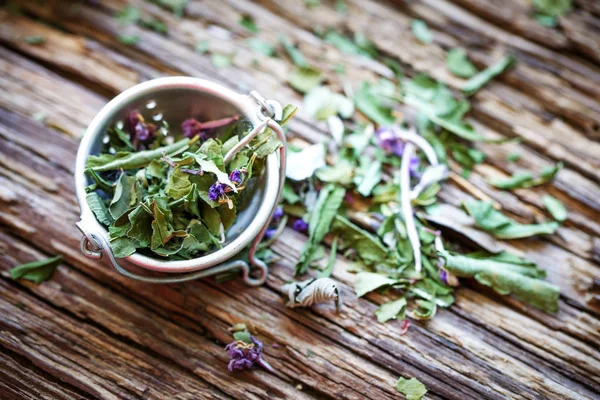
<point>448,278</point>
<point>389,141</point>
<point>278,213</point>
<point>300,226</point>
<point>245,355</point>
<point>269,233</point>
<point>138,128</point>
<point>216,190</point>
<point>236,177</point>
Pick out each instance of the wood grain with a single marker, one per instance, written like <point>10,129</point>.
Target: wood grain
<point>89,332</point>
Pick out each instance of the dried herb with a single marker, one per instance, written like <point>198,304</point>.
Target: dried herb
<point>294,54</point>
<point>37,271</point>
<point>304,79</point>
<point>367,282</point>
<point>459,64</point>
<point>129,40</point>
<point>412,388</point>
<point>168,195</point>
<point>526,179</point>
<point>555,208</point>
<point>321,217</point>
<point>248,22</point>
<point>502,227</point>
<point>548,11</point>
<point>391,310</point>
<point>261,46</point>
<point>35,40</point>
<point>221,60</point>
<point>506,278</point>
<point>421,31</point>
<point>477,81</point>
<point>370,105</point>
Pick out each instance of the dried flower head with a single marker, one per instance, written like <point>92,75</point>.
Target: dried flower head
<point>138,128</point>
<point>216,190</point>
<point>300,225</point>
<point>236,176</point>
<point>245,355</point>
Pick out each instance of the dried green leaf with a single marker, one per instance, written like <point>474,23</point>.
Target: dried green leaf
<point>126,160</point>
<point>37,271</point>
<point>329,201</point>
<point>368,248</point>
<point>130,15</point>
<point>248,22</point>
<point>304,79</point>
<point>555,208</point>
<point>294,54</point>
<point>328,270</point>
<point>552,8</point>
<point>261,46</point>
<point>129,40</point>
<point>99,208</point>
<point>368,281</point>
<point>459,64</point>
<point>342,172</point>
<point>391,310</point>
<point>371,178</point>
<point>221,60</point>
<point>421,31</point>
<point>35,40</point>
<point>506,278</point>
<point>524,179</point>
<point>477,81</point>
<point>502,227</point>
<point>124,196</point>
<point>372,107</point>
<point>412,388</point>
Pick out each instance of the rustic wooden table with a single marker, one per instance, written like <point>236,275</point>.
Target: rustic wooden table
<point>90,333</point>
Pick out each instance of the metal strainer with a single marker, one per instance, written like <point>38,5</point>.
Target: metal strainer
<point>175,99</point>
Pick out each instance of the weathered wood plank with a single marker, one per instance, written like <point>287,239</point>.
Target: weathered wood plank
<point>20,379</point>
<point>484,346</point>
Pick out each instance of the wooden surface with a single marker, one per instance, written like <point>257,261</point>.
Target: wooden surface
<point>89,333</point>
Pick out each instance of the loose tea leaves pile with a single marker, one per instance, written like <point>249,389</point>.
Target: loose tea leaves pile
<point>171,194</point>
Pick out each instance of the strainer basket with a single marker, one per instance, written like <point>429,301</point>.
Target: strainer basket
<point>174,99</point>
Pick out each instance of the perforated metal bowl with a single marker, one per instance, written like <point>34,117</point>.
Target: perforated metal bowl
<point>175,99</point>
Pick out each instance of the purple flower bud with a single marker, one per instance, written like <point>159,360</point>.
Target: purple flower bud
<point>138,128</point>
<point>216,190</point>
<point>236,177</point>
<point>388,140</point>
<point>448,278</point>
<point>245,355</point>
<point>269,233</point>
<point>192,127</point>
<point>300,226</point>
<point>278,213</point>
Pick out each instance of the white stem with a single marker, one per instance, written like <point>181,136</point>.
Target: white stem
<point>413,137</point>
<point>245,140</point>
<point>405,203</point>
